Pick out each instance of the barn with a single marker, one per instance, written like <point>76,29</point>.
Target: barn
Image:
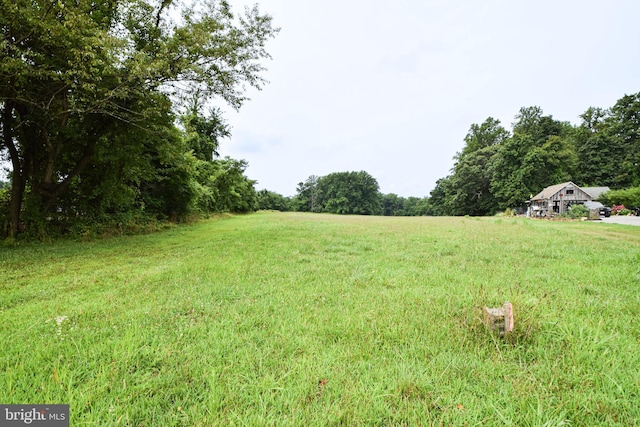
<point>556,199</point>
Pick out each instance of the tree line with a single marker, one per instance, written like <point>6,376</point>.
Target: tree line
<point>347,193</point>
<point>499,168</point>
<point>104,113</point>
<point>105,120</point>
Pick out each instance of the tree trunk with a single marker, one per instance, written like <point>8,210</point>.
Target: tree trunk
<point>15,203</point>
<point>21,169</point>
<point>50,191</point>
<point>17,176</point>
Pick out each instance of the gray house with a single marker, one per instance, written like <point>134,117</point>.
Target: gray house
<point>557,199</point>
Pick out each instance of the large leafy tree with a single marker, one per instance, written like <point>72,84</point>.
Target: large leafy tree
<point>223,186</point>
<point>599,154</point>
<point>624,130</point>
<point>204,132</point>
<point>147,170</point>
<point>306,198</point>
<point>536,156</point>
<point>593,149</point>
<point>84,81</point>
<point>607,145</point>
<point>349,193</point>
<point>341,193</point>
<point>471,179</point>
<point>441,196</point>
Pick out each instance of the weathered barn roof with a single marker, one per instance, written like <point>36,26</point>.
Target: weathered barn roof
<point>548,192</point>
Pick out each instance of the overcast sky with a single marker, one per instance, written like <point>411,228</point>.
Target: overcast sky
<point>392,87</point>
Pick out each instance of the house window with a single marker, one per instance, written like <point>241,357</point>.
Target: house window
<point>569,191</point>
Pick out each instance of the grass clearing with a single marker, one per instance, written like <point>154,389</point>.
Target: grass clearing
<point>309,319</point>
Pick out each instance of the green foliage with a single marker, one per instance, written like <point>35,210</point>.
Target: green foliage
<point>269,200</point>
<point>203,134</point>
<point>623,128</point>
<point>616,209</point>
<point>306,198</point>
<point>340,192</point>
<point>89,93</point>
<point>224,187</point>
<point>508,212</point>
<point>578,211</point>
<point>607,144</point>
<point>441,196</point>
<point>349,193</point>
<point>496,170</point>
<point>394,205</point>
<point>626,197</point>
<point>470,184</point>
<point>598,154</point>
<point>535,157</point>
<point>416,206</point>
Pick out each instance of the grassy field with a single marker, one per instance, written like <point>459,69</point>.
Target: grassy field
<point>308,319</point>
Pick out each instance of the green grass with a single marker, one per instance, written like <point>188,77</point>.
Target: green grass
<point>303,319</point>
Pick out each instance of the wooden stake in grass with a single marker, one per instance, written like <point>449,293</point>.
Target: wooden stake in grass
<point>499,319</point>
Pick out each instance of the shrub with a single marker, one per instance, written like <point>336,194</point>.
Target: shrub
<point>578,211</point>
<point>616,209</point>
<point>628,197</point>
<point>508,212</point>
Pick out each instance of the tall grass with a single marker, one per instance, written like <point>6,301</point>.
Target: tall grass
<point>308,319</point>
